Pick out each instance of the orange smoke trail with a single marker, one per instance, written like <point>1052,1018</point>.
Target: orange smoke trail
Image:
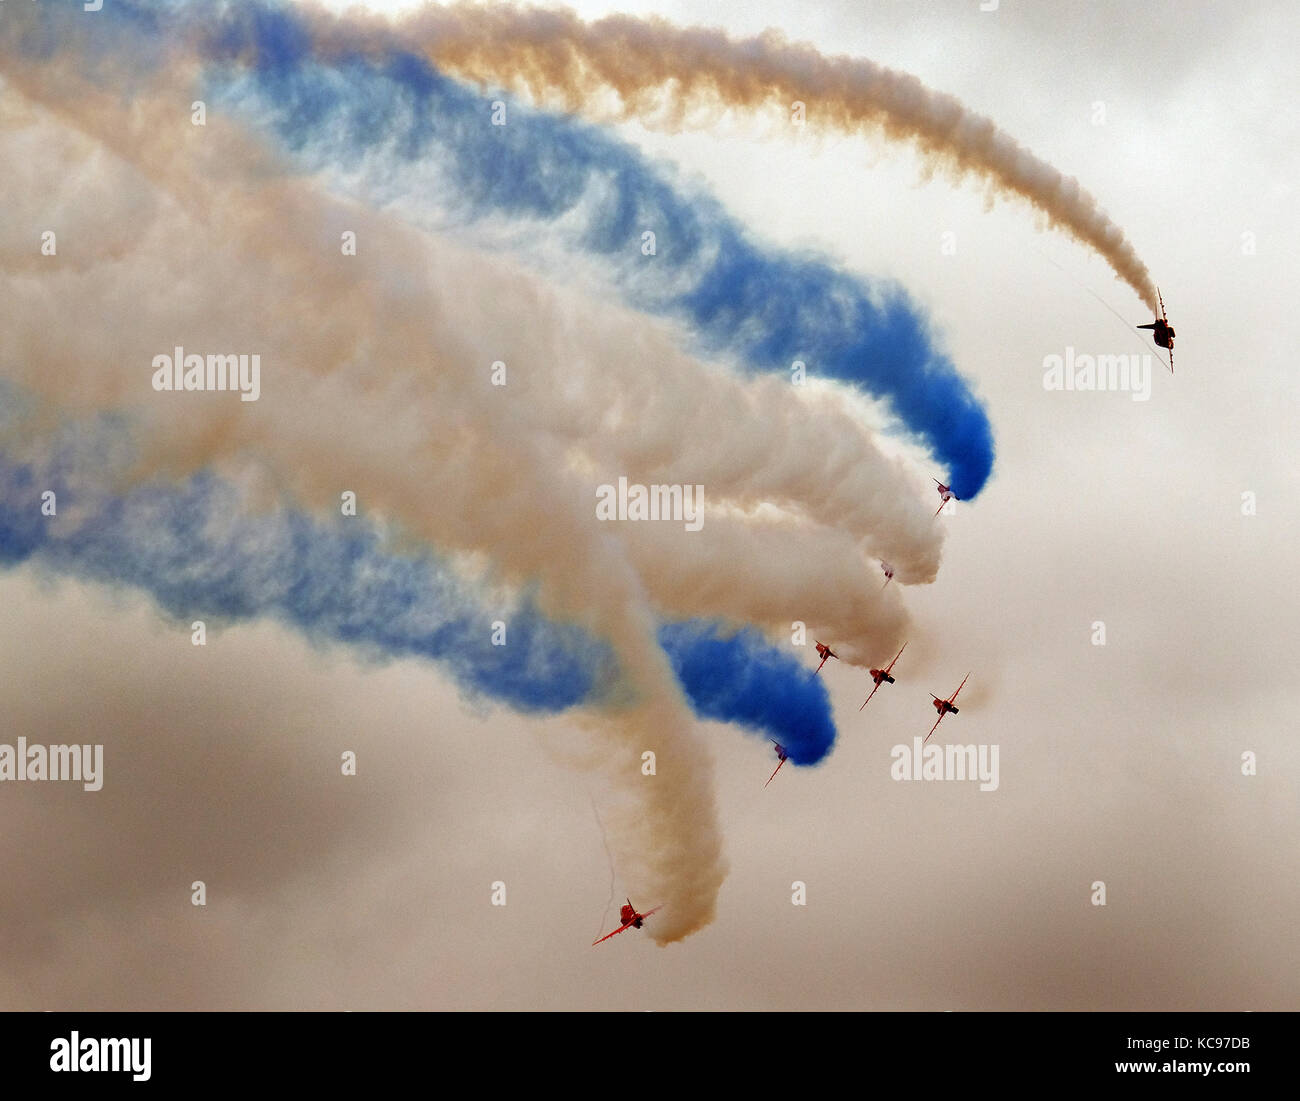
<point>626,67</point>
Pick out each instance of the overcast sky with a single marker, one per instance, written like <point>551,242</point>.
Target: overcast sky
<point>1119,763</point>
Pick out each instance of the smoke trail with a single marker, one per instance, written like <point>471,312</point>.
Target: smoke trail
<point>377,352</point>
<point>764,307</point>
<point>814,575</point>
<point>660,73</point>
<point>198,551</point>
<point>734,676</point>
<point>629,402</point>
<point>425,144</point>
<point>392,412</point>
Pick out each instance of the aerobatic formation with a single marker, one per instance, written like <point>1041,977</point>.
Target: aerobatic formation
<point>366,218</point>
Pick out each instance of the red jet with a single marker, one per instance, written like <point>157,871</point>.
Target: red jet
<point>630,919</point>
<point>781,753</point>
<point>945,493</point>
<point>889,572</point>
<point>945,707</point>
<point>880,676</point>
<point>1162,332</point>
<point>824,652</point>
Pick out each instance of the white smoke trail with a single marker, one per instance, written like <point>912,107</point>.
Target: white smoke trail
<point>376,380</point>
<point>666,77</point>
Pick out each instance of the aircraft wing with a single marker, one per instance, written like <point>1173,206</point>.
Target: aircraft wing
<point>953,697</point>
<point>896,657</point>
<point>936,725</point>
<point>868,699</point>
<point>620,929</point>
<point>629,925</point>
<point>778,768</point>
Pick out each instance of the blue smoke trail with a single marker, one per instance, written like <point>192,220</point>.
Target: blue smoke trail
<point>764,307</point>
<point>199,555</point>
<point>735,676</point>
<point>192,550</point>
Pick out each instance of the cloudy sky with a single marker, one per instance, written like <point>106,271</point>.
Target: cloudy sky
<point>1120,763</point>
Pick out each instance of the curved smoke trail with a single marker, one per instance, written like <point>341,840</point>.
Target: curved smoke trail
<point>199,551</point>
<point>414,129</point>
<point>660,72</point>
<point>377,350</point>
<point>736,677</point>
<point>426,145</point>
